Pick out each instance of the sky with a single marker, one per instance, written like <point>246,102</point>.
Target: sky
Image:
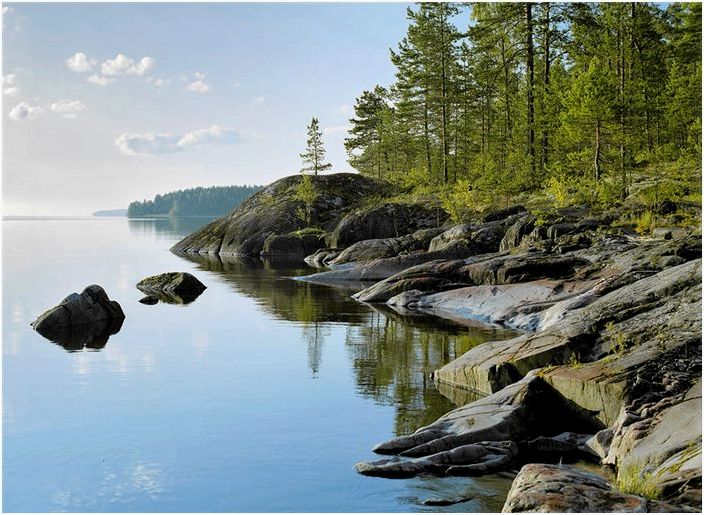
<point>104,104</point>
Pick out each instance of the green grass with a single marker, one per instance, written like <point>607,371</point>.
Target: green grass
<point>307,231</point>
<point>634,480</point>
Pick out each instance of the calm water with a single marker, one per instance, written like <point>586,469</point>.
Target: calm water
<point>259,396</point>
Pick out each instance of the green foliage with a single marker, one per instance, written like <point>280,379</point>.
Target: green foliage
<point>573,103</point>
<point>462,203</point>
<point>306,193</point>
<point>213,201</point>
<point>635,480</point>
<point>619,341</point>
<point>308,231</point>
<point>645,223</point>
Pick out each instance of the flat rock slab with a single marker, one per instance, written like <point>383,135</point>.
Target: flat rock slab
<point>663,310</point>
<point>568,489</point>
<point>172,287</point>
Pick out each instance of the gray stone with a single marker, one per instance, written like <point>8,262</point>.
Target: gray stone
<point>172,287</point>
<point>82,319</point>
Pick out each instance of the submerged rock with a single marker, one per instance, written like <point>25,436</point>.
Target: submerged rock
<point>172,287</point>
<point>149,300</point>
<point>81,320</point>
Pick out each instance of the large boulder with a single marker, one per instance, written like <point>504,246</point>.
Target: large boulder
<point>276,210</point>
<point>81,320</point>
<point>472,239</point>
<point>549,488</point>
<point>389,220</point>
<point>172,287</point>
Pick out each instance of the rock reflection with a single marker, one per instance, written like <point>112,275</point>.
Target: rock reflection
<point>269,283</point>
<point>393,356</point>
<point>392,353</point>
<point>86,336</point>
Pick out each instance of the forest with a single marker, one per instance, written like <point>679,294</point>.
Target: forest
<point>213,201</point>
<point>574,103</point>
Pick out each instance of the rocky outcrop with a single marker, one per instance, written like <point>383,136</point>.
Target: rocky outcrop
<point>385,221</point>
<point>612,351</point>
<point>367,250</point>
<point>275,210</point>
<point>81,320</point>
<point>441,275</point>
<point>292,245</point>
<point>321,258</point>
<point>172,287</point>
<point>627,319</point>
<point>546,488</point>
<point>487,435</point>
<point>473,239</point>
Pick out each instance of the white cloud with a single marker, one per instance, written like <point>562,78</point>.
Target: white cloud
<point>147,144</point>
<point>68,108</point>
<point>24,111</point>
<point>9,85</point>
<point>213,134</point>
<point>5,11</point>
<point>345,109</point>
<point>154,143</point>
<point>80,63</point>
<point>123,65</point>
<point>158,82</point>
<point>100,81</point>
<point>259,100</point>
<point>198,85</point>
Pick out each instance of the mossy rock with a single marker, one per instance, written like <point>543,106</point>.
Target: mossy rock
<point>276,210</point>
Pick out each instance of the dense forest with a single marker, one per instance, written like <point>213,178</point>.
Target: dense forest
<point>577,102</point>
<point>213,201</point>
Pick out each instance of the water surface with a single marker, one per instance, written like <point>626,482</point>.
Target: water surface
<point>258,396</point>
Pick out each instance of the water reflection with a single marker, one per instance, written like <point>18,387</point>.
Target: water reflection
<point>85,336</point>
<point>167,227</point>
<point>392,353</point>
<point>170,298</point>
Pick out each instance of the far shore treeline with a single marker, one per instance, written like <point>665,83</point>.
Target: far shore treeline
<point>577,102</point>
<point>213,201</point>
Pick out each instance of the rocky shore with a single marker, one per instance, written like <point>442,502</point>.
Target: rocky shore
<point>607,367</point>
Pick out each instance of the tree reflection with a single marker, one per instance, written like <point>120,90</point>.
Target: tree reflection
<point>392,354</point>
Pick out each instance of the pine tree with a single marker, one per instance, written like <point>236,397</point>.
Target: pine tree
<point>364,144</point>
<point>314,156</point>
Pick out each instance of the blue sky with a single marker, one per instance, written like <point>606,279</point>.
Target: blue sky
<point>202,94</point>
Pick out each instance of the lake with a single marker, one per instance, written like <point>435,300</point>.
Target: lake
<point>260,395</point>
